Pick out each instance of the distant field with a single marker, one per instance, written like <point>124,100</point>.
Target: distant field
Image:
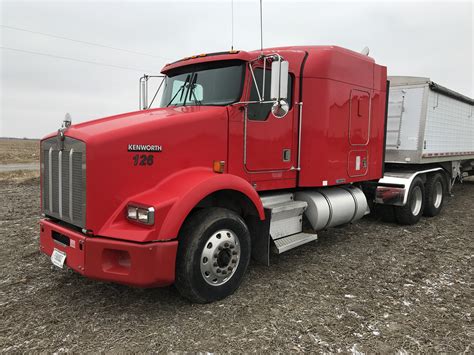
<point>14,151</point>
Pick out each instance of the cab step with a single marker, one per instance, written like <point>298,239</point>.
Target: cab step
<point>286,221</point>
<point>286,214</point>
<point>293,241</point>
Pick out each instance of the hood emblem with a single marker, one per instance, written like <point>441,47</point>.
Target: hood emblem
<point>64,126</point>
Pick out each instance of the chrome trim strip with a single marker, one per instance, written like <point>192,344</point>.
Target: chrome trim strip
<point>245,136</point>
<point>264,72</point>
<point>70,183</point>
<point>60,183</point>
<point>300,122</point>
<point>50,178</point>
<point>255,83</point>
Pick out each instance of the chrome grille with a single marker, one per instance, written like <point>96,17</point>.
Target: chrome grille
<point>64,180</point>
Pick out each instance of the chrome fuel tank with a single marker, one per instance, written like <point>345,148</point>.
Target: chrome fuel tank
<point>333,206</point>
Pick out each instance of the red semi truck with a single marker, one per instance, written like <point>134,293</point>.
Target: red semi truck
<point>248,152</point>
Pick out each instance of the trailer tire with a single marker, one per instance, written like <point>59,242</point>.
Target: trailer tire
<point>413,209</point>
<point>213,255</point>
<point>434,195</point>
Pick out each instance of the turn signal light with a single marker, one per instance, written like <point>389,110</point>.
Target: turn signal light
<point>145,215</point>
<point>218,166</point>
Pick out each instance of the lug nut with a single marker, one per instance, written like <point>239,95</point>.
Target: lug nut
<point>229,268</point>
<point>234,253</point>
<point>224,272</point>
<point>215,264</point>
<point>220,248</point>
<point>218,271</point>
<point>226,245</point>
<point>234,261</point>
<point>215,256</point>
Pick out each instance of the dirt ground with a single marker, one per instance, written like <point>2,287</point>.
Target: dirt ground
<point>13,150</point>
<point>370,286</point>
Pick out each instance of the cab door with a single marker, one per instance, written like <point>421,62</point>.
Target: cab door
<point>268,140</point>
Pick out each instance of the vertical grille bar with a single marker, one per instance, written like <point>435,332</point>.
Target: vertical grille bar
<point>46,177</point>
<point>60,183</point>
<point>65,183</point>
<point>70,183</point>
<point>77,186</point>
<point>50,180</point>
<point>55,182</point>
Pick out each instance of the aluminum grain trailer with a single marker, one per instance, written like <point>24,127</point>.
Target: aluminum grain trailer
<point>429,145</point>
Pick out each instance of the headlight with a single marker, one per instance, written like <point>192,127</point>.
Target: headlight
<point>142,214</point>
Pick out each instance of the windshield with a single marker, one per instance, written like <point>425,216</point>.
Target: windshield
<point>215,83</point>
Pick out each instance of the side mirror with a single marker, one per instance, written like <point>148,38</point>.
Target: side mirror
<point>279,83</point>
<point>280,108</point>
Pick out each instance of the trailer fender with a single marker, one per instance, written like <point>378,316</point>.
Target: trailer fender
<point>173,199</point>
<point>393,188</point>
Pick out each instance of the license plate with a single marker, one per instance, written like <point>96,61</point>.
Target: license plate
<point>58,257</point>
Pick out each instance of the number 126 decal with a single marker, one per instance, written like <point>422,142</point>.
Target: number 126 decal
<point>142,159</point>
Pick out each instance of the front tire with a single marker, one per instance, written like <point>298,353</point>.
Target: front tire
<point>213,255</point>
<point>413,209</point>
<point>434,195</point>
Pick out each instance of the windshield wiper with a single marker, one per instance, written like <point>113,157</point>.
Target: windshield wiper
<point>192,93</point>
<point>189,87</point>
<point>181,90</point>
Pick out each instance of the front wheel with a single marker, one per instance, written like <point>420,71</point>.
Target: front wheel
<point>213,255</point>
<point>413,209</point>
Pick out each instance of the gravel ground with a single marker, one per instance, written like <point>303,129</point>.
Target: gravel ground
<point>16,150</point>
<point>370,286</point>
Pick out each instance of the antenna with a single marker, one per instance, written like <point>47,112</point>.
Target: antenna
<point>261,28</point>
<point>232,21</point>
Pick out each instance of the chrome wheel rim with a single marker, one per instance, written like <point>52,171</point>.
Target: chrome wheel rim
<point>416,201</point>
<point>220,257</point>
<point>437,194</point>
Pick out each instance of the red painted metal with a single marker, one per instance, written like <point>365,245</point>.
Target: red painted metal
<point>343,95</point>
<point>134,264</point>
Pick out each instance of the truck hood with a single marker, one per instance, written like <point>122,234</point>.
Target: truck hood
<point>112,126</point>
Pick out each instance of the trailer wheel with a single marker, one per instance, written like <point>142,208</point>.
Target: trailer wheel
<point>413,209</point>
<point>213,255</point>
<point>434,195</point>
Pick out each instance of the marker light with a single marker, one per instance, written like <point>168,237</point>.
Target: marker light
<point>145,215</point>
<point>218,166</point>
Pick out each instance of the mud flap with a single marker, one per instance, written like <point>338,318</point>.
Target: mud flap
<point>261,238</point>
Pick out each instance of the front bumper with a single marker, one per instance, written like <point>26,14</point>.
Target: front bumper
<point>134,264</point>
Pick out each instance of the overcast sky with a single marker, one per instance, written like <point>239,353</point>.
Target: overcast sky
<point>433,39</point>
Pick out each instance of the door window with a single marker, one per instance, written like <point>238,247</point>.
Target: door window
<point>260,112</point>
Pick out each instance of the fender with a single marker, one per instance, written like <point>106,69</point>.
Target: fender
<point>173,199</point>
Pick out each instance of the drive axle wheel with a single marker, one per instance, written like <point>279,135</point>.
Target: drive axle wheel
<point>413,209</point>
<point>434,195</point>
<point>213,255</point>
